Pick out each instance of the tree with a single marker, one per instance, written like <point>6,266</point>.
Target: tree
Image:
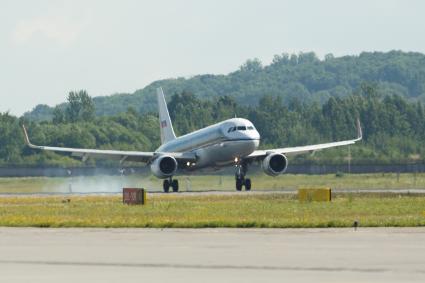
<point>252,65</point>
<point>11,139</point>
<point>87,106</point>
<point>80,107</point>
<point>58,116</point>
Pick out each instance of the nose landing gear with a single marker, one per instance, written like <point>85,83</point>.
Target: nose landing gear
<point>241,181</point>
<point>174,184</point>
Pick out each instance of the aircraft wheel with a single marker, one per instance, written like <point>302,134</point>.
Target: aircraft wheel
<point>239,184</point>
<point>175,185</point>
<point>247,184</point>
<point>166,186</point>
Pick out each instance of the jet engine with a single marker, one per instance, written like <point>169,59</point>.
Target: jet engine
<point>274,164</point>
<point>164,166</point>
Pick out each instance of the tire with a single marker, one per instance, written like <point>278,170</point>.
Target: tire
<point>175,185</point>
<point>239,184</point>
<point>247,184</point>
<point>166,186</point>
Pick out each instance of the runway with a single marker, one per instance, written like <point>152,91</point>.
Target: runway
<point>293,192</point>
<point>212,255</point>
<point>418,192</point>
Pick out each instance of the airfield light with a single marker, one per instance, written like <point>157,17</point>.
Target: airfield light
<point>355,224</point>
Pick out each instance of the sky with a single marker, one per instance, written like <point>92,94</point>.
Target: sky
<point>50,47</point>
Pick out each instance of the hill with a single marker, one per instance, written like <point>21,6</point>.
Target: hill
<point>302,76</point>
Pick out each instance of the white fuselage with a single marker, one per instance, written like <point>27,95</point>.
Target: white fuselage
<point>217,145</point>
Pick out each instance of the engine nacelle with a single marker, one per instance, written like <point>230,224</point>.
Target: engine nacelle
<point>274,164</point>
<point>164,166</point>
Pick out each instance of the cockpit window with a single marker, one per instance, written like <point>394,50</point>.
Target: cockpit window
<point>240,128</point>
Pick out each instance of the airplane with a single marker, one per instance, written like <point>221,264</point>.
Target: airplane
<point>233,142</point>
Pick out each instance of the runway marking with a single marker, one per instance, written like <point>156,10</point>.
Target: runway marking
<point>200,266</point>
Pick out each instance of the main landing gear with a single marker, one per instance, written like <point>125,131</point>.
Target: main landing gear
<point>241,181</point>
<point>174,184</point>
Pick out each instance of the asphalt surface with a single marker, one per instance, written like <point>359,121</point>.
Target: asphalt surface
<point>212,255</point>
<point>293,192</point>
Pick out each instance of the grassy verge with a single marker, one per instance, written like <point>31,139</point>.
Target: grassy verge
<point>271,210</point>
<point>200,183</point>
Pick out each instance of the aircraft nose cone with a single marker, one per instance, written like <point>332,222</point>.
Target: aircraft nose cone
<point>254,135</point>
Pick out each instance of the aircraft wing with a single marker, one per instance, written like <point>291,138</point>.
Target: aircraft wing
<point>137,156</point>
<point>307,148</point>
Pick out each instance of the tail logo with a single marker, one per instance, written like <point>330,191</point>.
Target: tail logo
<point>163,124</point>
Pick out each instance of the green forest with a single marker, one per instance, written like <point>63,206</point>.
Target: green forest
<point>289,76</point>
<point>296,100</point>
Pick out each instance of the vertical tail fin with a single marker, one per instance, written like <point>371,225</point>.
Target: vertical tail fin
<point>166,127</point>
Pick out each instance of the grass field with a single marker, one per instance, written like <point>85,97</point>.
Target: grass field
<point>268,210</point>
<point>240,210</point>
<point>211,182</point>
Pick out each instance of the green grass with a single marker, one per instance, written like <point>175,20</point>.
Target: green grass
<point>271,210</point>
<point>212,182</point>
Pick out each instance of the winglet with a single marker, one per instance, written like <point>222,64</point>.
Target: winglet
<point>359,130</point>
<point>27,140</point>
